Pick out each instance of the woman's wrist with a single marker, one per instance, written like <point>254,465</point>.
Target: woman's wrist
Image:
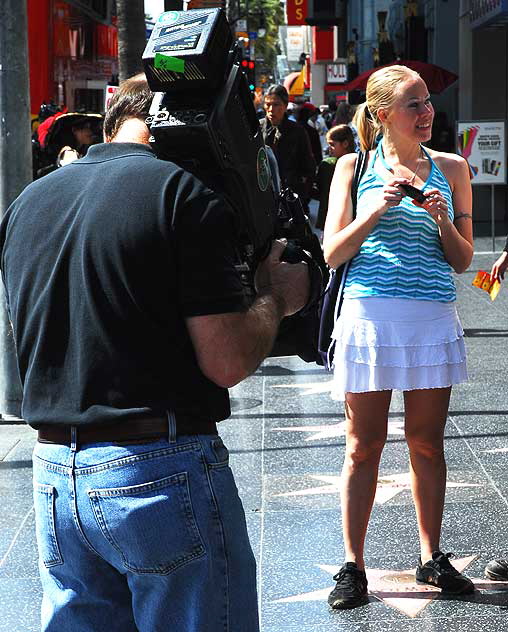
<point>446,226</point>
<point>376,214</point>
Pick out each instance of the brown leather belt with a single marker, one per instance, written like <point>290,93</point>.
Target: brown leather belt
<point>138,430</point>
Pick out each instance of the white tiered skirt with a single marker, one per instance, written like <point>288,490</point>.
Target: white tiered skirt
<point>397,344</point>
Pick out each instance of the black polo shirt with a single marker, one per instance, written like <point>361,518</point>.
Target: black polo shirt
<point>102,260</point>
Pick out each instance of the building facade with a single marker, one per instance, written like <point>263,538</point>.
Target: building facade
<point>73,53</point>
<point>483,93</point>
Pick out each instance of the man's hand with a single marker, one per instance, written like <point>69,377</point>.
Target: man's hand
<point>288,283</point>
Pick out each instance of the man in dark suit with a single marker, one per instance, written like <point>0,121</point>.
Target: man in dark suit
<point>289,142</point>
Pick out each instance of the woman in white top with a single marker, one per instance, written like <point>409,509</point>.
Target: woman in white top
<point>398,327</point>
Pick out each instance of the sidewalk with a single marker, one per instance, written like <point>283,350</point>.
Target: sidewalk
<point>287,445</point>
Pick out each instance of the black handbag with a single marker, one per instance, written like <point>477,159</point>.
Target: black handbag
<point>333,296</point>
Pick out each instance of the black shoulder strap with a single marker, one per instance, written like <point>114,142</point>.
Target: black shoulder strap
<point>360,166</point>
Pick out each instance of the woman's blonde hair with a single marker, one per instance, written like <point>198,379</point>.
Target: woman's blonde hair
<point>381,93</point>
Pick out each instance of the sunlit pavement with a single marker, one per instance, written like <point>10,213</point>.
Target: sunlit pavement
<point>286,439</point>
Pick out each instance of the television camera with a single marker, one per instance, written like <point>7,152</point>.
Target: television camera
<point>203,118</point>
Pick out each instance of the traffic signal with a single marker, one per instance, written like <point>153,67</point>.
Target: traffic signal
<point>249,68</point>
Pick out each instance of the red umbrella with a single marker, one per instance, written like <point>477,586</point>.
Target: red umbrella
<point>436,78</point>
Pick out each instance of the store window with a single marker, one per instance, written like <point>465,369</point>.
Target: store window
<point>88,100</point>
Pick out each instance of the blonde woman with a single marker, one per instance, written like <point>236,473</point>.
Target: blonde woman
<point>398,327</point>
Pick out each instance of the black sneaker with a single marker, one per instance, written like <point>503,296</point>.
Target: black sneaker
<point>439,572</point>
<point>497,570</point>
<point>351,588</point>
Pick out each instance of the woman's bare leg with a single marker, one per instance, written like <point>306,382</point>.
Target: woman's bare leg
<point>425,418</point>
<point>366,429</point>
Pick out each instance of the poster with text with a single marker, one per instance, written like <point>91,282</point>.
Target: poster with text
<point>482,144</point>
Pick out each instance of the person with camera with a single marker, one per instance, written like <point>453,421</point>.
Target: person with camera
<point>130,323</point>
<point>398,327</point>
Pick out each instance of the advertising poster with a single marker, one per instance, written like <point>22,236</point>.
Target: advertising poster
<point>482,144</point>
<point>295,43</point>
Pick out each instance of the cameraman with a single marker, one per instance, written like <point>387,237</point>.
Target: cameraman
<point>130,323</point>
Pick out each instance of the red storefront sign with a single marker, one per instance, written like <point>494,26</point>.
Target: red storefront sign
<point>107,40</point>
<point>322,44</point>
<point>296,12</point>
<point>61,30</point>
<point>40,58</point>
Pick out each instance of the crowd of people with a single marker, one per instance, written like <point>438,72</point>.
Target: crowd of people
<point>60,137</point>
<point>130,321</point>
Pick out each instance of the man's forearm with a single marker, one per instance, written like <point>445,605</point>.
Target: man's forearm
<point>230,346</point>
<point>261,324</point>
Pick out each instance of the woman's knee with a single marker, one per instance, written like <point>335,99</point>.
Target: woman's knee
<point>359,451</point>
<point>429,447</point>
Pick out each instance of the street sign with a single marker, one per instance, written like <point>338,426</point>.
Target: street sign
<point>253,34</point>
<point>243,35</point>
<point>241,25</point>
<point>336,73</point>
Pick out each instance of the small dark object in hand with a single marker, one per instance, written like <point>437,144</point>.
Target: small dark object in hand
<point>413,192</point>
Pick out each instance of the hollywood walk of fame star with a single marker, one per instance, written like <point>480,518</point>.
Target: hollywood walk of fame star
<point>309,388</point>
<point>387,486</point>
<point>329,431</point>
<point>396,588</point>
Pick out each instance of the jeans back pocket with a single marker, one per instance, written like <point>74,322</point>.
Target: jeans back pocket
<point>45,529</point>
<point>152,525</point>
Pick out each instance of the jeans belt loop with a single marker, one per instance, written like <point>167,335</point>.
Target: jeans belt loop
<point>74,438</point>
<point>171,426</point>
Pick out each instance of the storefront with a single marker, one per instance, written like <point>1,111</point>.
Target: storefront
<point>73,49</point>
<point>484,86</point>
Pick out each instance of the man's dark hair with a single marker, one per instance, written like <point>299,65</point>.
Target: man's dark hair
<point>278,91</point>
<point>132,100</point>
<point>344,113</point>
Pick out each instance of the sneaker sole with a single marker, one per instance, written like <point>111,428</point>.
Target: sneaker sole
<point>495,576</point>
<point>465,591</point>
<point>349,606</point>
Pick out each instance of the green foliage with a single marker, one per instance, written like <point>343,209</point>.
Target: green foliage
<point>267,14</point>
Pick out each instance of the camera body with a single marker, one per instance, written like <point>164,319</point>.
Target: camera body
<point>203,119</point>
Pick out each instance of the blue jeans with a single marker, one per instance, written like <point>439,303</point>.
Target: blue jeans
<point>146,538</point>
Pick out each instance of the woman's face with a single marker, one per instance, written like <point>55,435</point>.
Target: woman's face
<point>337,148</point>
<point>411,114</point>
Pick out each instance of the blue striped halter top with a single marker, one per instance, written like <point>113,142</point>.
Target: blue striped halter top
<point>402,257</point>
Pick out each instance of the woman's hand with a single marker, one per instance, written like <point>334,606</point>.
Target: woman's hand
<point>437,207</point>
<point>391,196</point>
<point>499,267</point>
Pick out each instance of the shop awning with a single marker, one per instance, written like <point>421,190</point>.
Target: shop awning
<point>436,78</point>
<point>295,83</point>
